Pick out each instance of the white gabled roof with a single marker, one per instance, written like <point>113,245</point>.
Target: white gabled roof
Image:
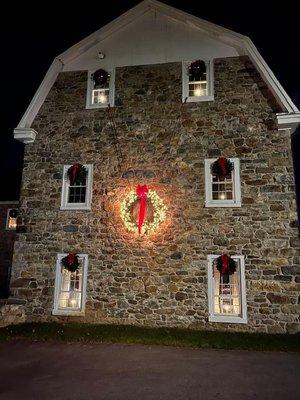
<point>290,118</point>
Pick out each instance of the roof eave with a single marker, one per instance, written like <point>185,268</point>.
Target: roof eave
<point>288,121</point>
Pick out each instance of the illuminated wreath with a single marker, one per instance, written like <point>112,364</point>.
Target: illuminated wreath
<point>148,226</point>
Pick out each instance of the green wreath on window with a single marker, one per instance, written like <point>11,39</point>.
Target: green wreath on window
<point>70,262</point>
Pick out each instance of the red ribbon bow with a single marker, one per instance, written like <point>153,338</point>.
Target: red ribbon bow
<point>223,166</point>
<point>142,191</point>
<point>74,171</point>
<point>71,258</point>
<point>225,264</point>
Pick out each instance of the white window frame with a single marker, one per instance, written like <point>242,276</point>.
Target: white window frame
<point>7,220</point>
<point>212,317</point>
<point>65,190</point>
<point>185,82</point>
<point>237,197</point>
<point>68,311</point>
<point>90,87</point>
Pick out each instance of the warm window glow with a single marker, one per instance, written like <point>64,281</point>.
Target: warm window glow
<point>197,88</point>
<point>100,96</point>
<point>70,289</point>
<point>223,189</point>
<point>12,223</point>
<point>227,293</point>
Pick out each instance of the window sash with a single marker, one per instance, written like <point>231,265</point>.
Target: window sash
<point>235,298</point>
<point>230,186</point>
<point>70,287</point>
<point>79,195</point>
<point>205,86</point>
<point>95,96</point>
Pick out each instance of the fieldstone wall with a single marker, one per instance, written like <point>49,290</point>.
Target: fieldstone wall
<point>161,280</point>
<point>12,312</point>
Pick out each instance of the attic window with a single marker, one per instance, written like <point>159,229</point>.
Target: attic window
<point>197,81</point>
<point>100,90</point>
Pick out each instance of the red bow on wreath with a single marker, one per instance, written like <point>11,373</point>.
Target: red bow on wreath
<point>223,164</point>
<point>73,171</point>
<point>222,167</point>
<point>226,266</point>
<point>142,191</point>
<point>70,262</point>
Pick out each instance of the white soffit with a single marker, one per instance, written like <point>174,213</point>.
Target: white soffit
<point>214,34</point>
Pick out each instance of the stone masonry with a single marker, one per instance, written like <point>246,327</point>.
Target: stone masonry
<point>161,280</point>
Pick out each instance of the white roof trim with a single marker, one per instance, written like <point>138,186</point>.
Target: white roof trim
<point>288,121</point>
<point>218,32</point>
<point>25,135</point>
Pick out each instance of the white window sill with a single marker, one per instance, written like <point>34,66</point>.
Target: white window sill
<point>222,204</point>
<point>227,319</point>
<point>199,99</point>
<point>66,313</point>
<point>76,207</point>
<point>96,106</point>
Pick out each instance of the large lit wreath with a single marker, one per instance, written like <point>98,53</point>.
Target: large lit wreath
<point>144,225</point>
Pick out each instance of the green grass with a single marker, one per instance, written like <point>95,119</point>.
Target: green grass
<point>87,333</point>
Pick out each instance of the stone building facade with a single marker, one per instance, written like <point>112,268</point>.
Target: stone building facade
<point>161,279</point>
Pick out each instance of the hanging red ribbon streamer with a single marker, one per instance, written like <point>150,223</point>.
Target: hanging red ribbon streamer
<point>142,191</point>
<point>74,171</point>
<point>223,166</point>
<point>225,264</point>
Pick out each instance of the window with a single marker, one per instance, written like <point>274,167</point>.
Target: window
<point>100,88</point>
<point>197,86</point>
<point>70,287</point>
<point>222,191</point>
<point>227,293</point>
<point>11,220</point>
<point>77,195</point>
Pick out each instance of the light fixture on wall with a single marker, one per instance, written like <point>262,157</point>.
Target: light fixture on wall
<point>101,55</point>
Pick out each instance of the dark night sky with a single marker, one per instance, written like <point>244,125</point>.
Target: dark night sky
<point>35,34</point>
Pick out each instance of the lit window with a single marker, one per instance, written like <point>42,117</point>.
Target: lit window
<point>227,291</point>
<point>70,286</point>
<point>222,189</point>
<point>197,81</point>
<point>11,221</point>
<point>100,88</point>
<point>77,187</point>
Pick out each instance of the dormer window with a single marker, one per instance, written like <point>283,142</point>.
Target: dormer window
<point>100,90</point>
<point>197,81</point>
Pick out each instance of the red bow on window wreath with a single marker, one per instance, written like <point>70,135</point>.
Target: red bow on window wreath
<point>222,167</point>
<point>76,172</point>
<point>70,262</point>
<point>142,191</point>
<point>226,266</point>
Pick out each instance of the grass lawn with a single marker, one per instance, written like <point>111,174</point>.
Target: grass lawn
<point>88,333</point>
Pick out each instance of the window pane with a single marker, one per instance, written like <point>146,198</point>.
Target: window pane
<point>71,289</point>
<point>226,292</point>
<point>198,86</point>
<point>12,223</point>
<point>223,189</point>
<point>100,96</point>
<point>77,192</point>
